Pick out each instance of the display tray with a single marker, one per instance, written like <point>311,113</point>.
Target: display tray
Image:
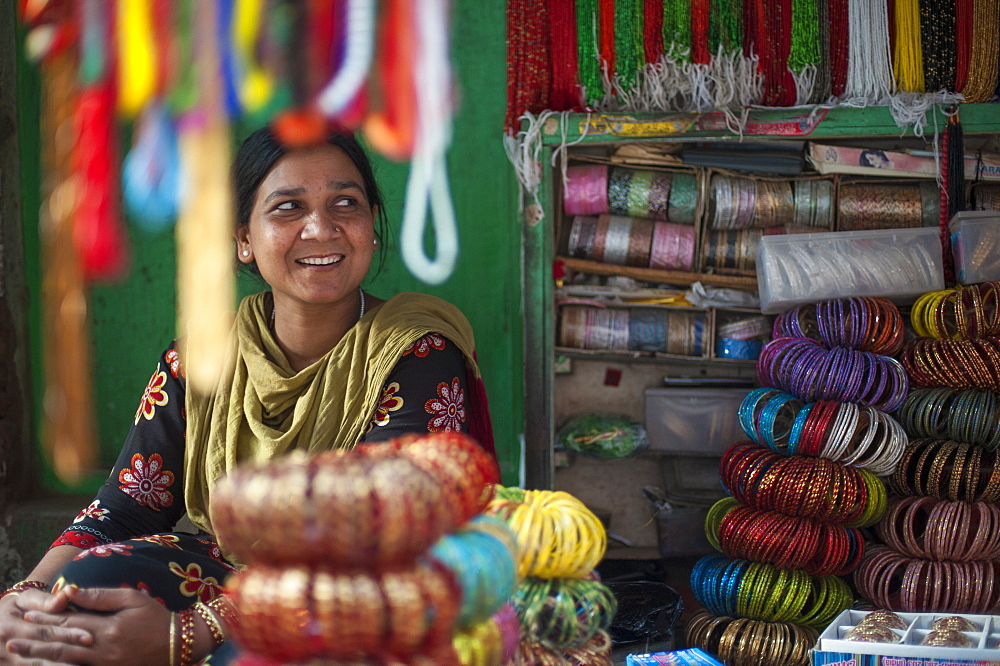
<point>831,648</point>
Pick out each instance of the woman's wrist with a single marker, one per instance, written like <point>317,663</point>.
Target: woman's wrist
<point>23,585</point>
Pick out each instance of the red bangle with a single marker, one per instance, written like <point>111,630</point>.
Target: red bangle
<point>25,585</point>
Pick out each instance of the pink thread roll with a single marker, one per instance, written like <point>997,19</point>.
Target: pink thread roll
<point>586,190</point>
<point>673,247</point>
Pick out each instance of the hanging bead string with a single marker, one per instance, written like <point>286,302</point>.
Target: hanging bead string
<point>896,582</point>
<point>606,37</point>
<point>786,542</point>
<point>957,364</point>
<point>937,31</point>
<point>759,591</point>
<point>700,21</point>
<point>528,76</point>
<point>953,187</point>
<point>802,486</point>
<point>565,93</point>
<point>981,81</point>
<point>628,43</point>
<point>869,67</point>
<point>738,641</point>
<point>773,42</point>
<point>804,57</point>
<point>587,50</point>
<point>839,16</point>
<point>823,82</point>
<point>972,472</point>
<point>934,529</point>
<point>652,30</point>
<point>677,29</point>
<point>726,26</point>
<point>908,57</point>
<point>960,313</point>
<point>970,416</point>
<point>963,41</point>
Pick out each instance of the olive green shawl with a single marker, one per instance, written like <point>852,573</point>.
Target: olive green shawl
<point>262,409</point>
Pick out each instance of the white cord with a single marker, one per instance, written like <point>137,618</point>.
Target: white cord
<point>359,38</point>
<point>428,180</point>
<point>869,67</point>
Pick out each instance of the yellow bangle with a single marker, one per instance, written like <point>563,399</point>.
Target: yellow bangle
<point>173,640</point>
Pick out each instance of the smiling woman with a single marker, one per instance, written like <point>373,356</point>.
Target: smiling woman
<point>314,364</point>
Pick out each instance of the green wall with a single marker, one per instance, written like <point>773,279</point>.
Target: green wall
<point>133,321</point>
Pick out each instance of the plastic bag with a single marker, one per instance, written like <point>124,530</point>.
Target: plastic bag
<point>603,435</point>
<point>647,611</point>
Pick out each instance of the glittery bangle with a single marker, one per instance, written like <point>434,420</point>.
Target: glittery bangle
<point>23,585</point>
<point>212,622</point>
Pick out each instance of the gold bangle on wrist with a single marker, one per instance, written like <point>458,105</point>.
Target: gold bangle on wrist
<point>214,625</point>
<point>187,636</point>
<point>173,640</point>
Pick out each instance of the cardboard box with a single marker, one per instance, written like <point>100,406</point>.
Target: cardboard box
<point>690,657</point>
<point>828,159</point>
<point>832,650</point>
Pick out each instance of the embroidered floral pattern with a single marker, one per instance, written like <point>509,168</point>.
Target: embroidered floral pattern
<point>93,511</point>
<point>146,482</point>
<point>78,539</point>
<point>174,361</point>
<point>153,396</point>
<point>106,549</point>
<point>167,540</point>
<point>423,346</point>
<point>390,402</point>
<point>216,554</point>
<point>205,589</point>
<point>142,587</point>
<point>447,409</point>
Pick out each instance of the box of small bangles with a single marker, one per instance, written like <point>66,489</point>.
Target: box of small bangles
<point>884,638</point>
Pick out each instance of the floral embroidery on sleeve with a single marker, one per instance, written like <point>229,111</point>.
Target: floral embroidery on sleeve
<point>106,549</point>
<point>390,402</point>
<point>423,346</point>
<point>447,409</point>
<point>153,396</point>
<point>79,538</point>
<point>146,482</point>
<point>174,361</point>
<point>205,588</point>
<point>94,511</point>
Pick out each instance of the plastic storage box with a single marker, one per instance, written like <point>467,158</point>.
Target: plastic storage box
<point>833,649</point>
<point>900,264</point>
<point>975,245</point>
<point>702,421</point>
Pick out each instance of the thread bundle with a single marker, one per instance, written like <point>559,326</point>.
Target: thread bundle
<point>674,331</point>
<point>807,482</point>
<point>593,189</point>
<point>940,531</point>
<point>327,585</point>
<point>627,241</point>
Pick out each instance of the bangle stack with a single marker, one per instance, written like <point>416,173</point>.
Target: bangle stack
<point>962,313</point>
<point>347,573</point>
<point>807,483</point>
<point>957,364</point>
<point>934,529</point>
<point>947,470</point>
<point>743,642</point>
<point>970,416</point>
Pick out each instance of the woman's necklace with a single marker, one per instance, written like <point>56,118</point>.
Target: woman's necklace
<point>360,315</point>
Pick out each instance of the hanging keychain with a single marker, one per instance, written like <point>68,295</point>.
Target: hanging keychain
<point>428,181</point>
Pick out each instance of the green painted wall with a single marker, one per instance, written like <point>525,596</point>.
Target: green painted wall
<point>134,320</point>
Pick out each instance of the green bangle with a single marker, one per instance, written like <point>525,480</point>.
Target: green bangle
<point>683,198</point>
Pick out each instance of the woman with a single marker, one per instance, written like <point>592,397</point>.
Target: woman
<point>315,364</point>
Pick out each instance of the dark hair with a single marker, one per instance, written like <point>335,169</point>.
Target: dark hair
<point>257,156</point>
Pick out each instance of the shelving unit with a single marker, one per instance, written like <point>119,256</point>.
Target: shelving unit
<point>598,483</point>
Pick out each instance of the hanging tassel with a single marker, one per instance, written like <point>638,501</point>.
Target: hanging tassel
<point>952,187</point>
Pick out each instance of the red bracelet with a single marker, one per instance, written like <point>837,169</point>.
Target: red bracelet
<point>26,585</point>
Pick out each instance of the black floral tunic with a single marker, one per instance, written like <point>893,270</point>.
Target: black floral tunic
<point>144,495</point>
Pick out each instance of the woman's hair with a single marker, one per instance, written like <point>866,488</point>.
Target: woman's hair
<point>258,155</point>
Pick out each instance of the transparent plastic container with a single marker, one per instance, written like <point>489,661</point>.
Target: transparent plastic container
<point>975,245</point>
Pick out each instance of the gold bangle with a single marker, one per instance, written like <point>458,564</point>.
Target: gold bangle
<point>187,636</point>
<point>214,626</point>
<point>173,639</point>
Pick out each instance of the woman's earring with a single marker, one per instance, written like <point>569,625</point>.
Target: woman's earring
<point>246,253</point>
<point>375,242</point>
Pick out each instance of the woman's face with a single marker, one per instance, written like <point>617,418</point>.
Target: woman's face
<point>312,229</point>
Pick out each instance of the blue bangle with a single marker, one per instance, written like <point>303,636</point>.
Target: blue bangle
<point>797,427</point>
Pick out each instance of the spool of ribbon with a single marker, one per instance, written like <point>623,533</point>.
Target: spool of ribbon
<point>639,193</point>
<point>862,205</point>
<point>585,190</point>
<point>673,247</point>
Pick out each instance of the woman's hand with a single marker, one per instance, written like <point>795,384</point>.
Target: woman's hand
<point>131,629</point>
<point>14,628</point>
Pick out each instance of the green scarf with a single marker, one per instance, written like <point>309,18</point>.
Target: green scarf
<point>263,409</point>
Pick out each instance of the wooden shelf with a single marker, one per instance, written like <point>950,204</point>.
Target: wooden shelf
<point>682,278</point>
